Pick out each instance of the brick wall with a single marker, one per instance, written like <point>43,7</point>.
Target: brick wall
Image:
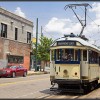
<point>15,48</point>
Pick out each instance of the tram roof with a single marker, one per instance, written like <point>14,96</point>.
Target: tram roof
<point>78,39</point>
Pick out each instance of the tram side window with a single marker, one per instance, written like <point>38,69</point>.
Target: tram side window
<point>93,57</point>
<point>84,55</point>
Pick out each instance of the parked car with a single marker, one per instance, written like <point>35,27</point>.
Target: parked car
<point>13,71</point>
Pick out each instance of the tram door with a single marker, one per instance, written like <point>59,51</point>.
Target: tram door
<point>84,63</point>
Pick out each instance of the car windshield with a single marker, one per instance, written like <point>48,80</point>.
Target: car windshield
<point>13,67</point>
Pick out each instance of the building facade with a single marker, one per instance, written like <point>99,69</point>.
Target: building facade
<point>15,39</point>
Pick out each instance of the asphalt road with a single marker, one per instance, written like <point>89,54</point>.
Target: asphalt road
<point>24,87</point>
<point>38,87</point>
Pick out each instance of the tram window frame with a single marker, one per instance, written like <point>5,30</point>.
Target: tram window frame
<point>58,54</point>
<point>71,53</point>
<point>84,55</point>
<point>76,55</point>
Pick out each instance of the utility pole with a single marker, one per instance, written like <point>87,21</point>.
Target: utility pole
<point>41,38</point>
<point>36,42</point>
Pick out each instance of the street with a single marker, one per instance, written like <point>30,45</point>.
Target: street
<point>38,87</point>
<point>24,87</point>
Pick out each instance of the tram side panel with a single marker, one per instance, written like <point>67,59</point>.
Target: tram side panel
<point>89,71</point>
<point>93,72</point>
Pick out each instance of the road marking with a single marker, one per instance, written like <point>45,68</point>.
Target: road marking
<point>10,83</point>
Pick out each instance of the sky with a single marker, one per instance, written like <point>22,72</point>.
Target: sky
<point>55,21</point>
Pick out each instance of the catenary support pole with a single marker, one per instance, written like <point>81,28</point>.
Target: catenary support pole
<point>36,42</point>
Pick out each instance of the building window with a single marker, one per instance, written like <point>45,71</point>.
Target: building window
<point>3,30</point>
<point>15,59</point>
<point>28,37</point>
<point>16,33</point>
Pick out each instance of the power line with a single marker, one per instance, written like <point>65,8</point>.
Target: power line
<point>88,16</point>
<point>92,21</point>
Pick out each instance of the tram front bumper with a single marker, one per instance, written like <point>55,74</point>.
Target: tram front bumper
<point>65,85</point>
<point>69,81</point>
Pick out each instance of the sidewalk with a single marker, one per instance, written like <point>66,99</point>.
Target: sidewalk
<point>32,72</point>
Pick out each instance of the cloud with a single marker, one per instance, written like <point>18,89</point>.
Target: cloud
<point>96,9</point>
<point>19,12</point>
<point>59,27</point>
<point>63,26</point>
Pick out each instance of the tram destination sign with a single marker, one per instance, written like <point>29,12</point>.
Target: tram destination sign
<point>66,43</point>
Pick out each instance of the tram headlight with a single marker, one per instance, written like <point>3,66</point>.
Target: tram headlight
<point>65,72</point>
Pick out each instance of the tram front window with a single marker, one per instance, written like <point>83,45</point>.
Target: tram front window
<point>66,55</point>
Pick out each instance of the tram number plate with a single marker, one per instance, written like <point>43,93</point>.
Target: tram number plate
<point>66,43</point>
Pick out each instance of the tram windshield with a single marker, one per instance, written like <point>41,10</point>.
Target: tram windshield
<point>66,55</point>
<point>74,56</point>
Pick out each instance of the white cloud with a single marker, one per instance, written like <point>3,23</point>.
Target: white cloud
<point>62,26</point>
<point>65,26</point>
<point>19,12</point>
<point>96,9</point>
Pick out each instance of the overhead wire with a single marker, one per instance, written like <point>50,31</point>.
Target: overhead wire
<point>77,22</point>
<point>91,20</point>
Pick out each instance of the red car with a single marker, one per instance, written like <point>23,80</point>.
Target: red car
<point>13,71</point>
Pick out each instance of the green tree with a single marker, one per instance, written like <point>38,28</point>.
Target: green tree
<point>43,52</point>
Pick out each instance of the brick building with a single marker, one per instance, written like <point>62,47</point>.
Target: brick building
<point>15,39</point>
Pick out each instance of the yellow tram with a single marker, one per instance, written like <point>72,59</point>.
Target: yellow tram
<point>74,64</point>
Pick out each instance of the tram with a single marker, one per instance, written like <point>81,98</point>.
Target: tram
<point>74,61</point>
<point>74,64</point>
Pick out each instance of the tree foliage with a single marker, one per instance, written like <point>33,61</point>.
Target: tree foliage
<point>43,49</point>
